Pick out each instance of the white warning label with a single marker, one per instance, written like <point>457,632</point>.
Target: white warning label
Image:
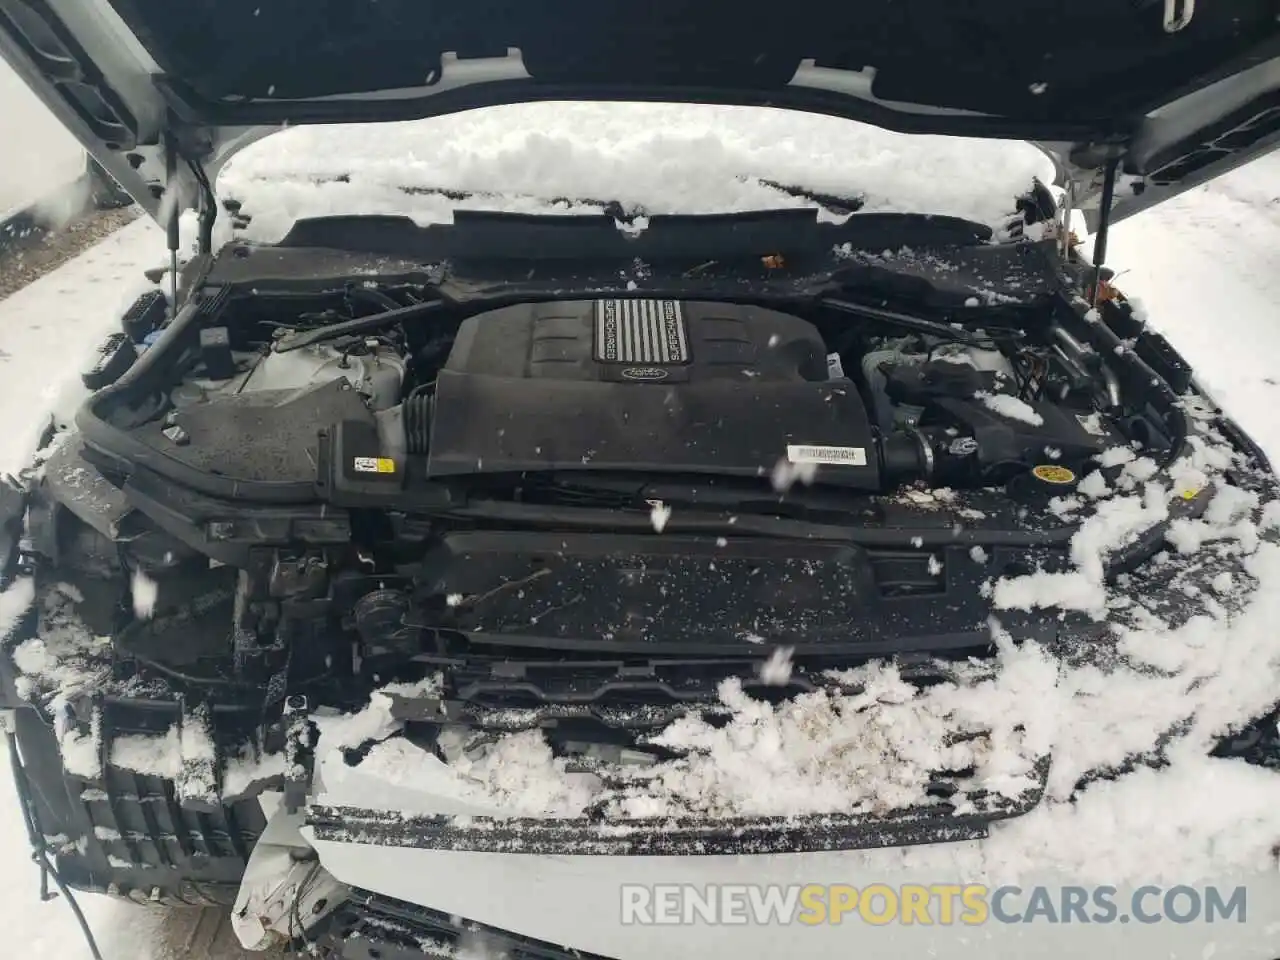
<point>374,465</point>
<point>835,456</point>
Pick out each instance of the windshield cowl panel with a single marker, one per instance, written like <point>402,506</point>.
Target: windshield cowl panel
<point>628,159</point>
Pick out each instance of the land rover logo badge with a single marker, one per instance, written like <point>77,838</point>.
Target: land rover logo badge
<point>646,374</point>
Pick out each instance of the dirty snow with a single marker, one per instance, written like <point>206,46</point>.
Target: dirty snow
<point>867,752</point>
<point>65,660</point>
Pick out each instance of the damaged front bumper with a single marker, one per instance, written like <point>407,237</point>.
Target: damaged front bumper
<point>447,884</point>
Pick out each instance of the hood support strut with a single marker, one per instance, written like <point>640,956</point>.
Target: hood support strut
<point>171,223</point>
<point>1109,174</point>
<point>206,210</point>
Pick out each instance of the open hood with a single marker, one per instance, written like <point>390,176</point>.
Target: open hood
<point>162,93</point>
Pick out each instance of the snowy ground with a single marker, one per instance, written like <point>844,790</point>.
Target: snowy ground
<point>1207,267</point>
<point>39,155</point>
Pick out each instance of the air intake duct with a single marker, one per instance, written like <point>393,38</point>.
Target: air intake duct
<point>417,421</point>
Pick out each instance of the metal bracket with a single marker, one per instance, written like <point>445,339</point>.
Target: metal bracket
<point>1177,14</point>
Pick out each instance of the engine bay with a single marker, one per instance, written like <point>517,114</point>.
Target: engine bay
<point>581,516</point>
<point>853,397</point>
<point>373,475</point>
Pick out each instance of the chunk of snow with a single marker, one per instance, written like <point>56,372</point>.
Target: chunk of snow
<point>373,722</point>
<point>1114,456</point>
<point>1114,524</point>
<point>81,753</point>
<point>1010,407</point>
<point>1093,485</point>
<point>785,474</point>
<point>776,671</point>
<point>1270,516</point>
<point>152,756</point>
<point>248,768</point>
<point>1065,507</point>
<point>1229,504</point>
<point>15,601</point>
<point>145,593</point>
<point>1068,591</point>
<point>659,514</point>
<point>1136,471</point>
<point>517,773</point>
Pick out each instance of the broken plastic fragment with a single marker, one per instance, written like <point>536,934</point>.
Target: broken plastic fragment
<point>177,435</point>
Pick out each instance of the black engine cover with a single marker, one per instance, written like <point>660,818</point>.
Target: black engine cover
<point>645,385</point>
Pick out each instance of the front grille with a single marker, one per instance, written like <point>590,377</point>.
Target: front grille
<point>372,927</point>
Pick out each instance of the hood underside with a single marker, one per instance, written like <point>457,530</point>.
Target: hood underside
<point>1182,92</point>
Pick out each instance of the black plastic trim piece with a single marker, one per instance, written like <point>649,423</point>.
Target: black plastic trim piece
<point>186,101</point>
<point>670,837</point>
<point>373,927</point>
<point>131,835</point>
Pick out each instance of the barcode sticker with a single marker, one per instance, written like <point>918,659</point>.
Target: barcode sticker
<point>835,456</point>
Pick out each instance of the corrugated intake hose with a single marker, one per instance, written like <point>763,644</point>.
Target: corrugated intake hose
<point>417,420</point>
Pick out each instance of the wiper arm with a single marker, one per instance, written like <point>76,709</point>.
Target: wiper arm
<point>833,202</point>
<point>828,201</point>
